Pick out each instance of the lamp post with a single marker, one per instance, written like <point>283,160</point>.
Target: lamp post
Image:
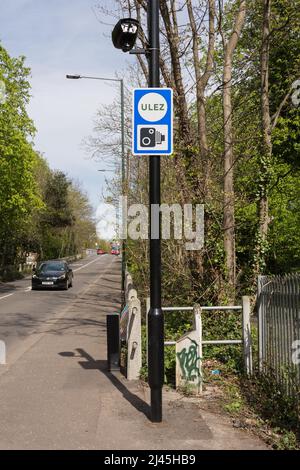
<point>121,82</point>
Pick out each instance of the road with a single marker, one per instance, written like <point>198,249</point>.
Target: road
<point>25,313</point>
<point>56,391</point>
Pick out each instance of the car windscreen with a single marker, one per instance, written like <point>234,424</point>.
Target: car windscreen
<point>46,267</point>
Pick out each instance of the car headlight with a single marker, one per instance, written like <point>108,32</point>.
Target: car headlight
<point>62,277</point>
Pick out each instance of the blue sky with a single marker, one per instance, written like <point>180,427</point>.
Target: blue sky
<point>60,37</point>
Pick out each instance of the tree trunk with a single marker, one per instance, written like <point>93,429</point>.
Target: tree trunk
<point>201,84</point>
<point>173,41</point>
<point>229,217</point>
<point>202,163</point>
<point>266,154</point>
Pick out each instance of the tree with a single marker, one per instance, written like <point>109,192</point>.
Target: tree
<point>266,141</point>
<point>18,190</point>
<point>202,80</point>
<point>218,156</point>
<point>229,46</point>
<point>41,210</point>
<point>66,224</point>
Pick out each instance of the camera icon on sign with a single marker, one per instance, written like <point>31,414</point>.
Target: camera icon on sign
<point>150,137</point>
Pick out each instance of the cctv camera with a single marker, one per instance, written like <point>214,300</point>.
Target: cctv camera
<point>125,34</point>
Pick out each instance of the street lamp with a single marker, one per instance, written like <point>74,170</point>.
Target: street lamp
<point>121,82</point>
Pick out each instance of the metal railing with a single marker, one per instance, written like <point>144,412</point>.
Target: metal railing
<point>244,340</point>
<point>279,329</point>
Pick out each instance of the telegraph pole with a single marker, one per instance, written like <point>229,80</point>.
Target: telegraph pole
<point>155,317</point>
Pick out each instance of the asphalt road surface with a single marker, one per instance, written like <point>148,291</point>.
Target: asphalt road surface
<point>23,312</point>
<point>56,391</point>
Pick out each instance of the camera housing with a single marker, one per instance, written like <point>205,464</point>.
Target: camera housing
<point>150,137</point>
<point>125,34</point>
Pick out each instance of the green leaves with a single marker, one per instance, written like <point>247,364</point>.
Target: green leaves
<point>18,190</point>
<point>37,211</point>
<point>286,138</point>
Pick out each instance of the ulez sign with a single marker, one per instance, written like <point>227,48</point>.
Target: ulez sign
<point>152,121</point>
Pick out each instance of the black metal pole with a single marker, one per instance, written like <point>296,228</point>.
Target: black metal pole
<point>155,317</point>
<point>124,185</point>
<point>113,342</point>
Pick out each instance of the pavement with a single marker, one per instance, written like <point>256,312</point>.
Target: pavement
<point>56,393</point>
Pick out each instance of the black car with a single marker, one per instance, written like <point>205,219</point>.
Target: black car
<point>52,274</point>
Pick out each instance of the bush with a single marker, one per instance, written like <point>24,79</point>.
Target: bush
<point>10,273</point>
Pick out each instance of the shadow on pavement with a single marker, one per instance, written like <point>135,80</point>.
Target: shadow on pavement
<point>91,364</point>
<point>7,288</point>
<point>27,324</point>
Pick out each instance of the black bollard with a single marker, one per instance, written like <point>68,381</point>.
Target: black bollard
<point>113,342</point>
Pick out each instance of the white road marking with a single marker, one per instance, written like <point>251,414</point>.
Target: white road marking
<point>28,289</point>
<point>88,264</point>
<point>5,296</point>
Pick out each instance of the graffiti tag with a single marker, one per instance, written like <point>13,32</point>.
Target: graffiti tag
<point>188,360</point>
